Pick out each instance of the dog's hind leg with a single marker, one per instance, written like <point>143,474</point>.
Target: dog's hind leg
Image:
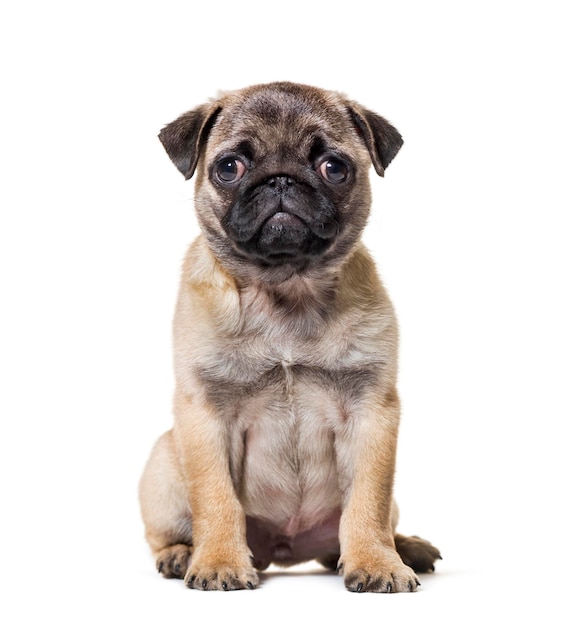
<point>414,551</point>
<point>165,510</point>
<point>417,553</point>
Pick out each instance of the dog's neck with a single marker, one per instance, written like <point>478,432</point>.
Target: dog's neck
<point>303,303</point>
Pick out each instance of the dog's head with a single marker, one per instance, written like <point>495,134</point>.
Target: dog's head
<point>282,174</point>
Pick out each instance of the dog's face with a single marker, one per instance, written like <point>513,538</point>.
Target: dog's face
<point>283,175</point>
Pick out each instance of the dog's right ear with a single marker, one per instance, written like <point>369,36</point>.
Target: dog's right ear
<point>184,137</point>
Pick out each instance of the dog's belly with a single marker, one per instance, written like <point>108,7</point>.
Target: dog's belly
<point>286,459</point>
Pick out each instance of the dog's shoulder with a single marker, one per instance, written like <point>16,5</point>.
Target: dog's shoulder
<point>208,294</point>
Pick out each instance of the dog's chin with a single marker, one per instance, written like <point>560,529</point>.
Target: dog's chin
<point>285,240</point>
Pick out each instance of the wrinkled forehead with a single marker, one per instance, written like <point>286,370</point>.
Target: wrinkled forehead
<point>267,120</point>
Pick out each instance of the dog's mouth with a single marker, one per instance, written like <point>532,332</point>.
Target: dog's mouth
<point>283,236</point>
<point>277,228</point>
<point>286,237</point>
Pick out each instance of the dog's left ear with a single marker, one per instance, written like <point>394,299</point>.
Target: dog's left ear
<point>184,137</point>
<point>381,138</point>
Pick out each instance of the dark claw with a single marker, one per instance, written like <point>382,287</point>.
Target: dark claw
<point>389,588</point>
<point>410,586</point>
<point>359,587</point>
<point>250,585</point>
<point>190,582</point>
<point>225,585</point>
<point>204,583</point>
<point>160,566</point>
<point>177,568</point>
<point>417,580</point>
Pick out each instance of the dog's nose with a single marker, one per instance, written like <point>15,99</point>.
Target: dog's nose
<point>280,182</point>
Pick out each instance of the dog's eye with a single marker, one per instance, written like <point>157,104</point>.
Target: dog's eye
<point>333,170</point>
<point>229,170</point>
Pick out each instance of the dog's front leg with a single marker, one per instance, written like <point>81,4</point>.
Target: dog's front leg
<point>369,561</point>
<point>221,557</point>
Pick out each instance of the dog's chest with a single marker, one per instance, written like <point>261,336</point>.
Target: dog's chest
<point>288,390</point>
<point>283,455</point>
<point>287,399</point>
<point>335,365</point>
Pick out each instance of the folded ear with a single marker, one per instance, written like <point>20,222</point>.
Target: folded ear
<point>184,137</point>
<point>381,138</point>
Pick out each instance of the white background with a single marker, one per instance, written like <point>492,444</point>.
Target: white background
<point>465,228</point>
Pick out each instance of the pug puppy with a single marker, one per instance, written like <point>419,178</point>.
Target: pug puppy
<point>285,343</point>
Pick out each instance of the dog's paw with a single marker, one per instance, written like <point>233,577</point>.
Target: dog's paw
<point>416,552</point>
<point>172,561</point>
<point>210,574</point>
<point>380,572</point>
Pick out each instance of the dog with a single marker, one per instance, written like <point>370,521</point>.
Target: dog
<point>286,412</point>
